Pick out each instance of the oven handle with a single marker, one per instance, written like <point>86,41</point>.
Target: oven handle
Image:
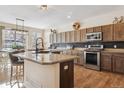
<point>91,52</point>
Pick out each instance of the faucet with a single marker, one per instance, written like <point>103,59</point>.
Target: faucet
<point>39,43</point>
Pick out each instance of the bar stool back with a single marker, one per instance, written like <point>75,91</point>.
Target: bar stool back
<point>17,68</point>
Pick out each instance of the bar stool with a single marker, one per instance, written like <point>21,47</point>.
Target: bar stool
<point>4,60</point>
<point>17,68</point>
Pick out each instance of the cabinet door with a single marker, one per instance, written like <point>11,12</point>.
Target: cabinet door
<point>97,29</point>
<point>107,31</point>
<point>1,38</point>
<point>76,36</point>
<point>81,58</point>
<point>106,61</point>
<point>119,32</point>
<point>83,35</point>
<point>58,37</point>
<point>67,74</point>
<point>54,38</point>
<point>71,36</point>
<point>67,37</point>
<point>51,38</point>
<point>63,37</point>
<point>89,30</point>
<point>118,63</point>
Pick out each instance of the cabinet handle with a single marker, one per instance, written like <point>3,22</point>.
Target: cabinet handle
<point>66,67</point>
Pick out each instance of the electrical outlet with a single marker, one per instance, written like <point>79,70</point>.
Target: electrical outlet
<point>115,46</point>
<point>85,46</point>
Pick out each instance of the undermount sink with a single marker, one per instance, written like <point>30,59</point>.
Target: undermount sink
<point>41,51</point>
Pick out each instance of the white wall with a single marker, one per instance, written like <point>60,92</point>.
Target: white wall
<point>94,21</point>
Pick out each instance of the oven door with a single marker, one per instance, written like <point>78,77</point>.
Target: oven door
<point>92,60</point>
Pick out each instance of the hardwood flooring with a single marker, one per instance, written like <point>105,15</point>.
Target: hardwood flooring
<point>86,78</point>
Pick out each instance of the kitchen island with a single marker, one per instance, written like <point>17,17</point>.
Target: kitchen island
<point>48,70</point>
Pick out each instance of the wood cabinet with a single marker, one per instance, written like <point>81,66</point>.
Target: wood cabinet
<point>118,63</point>
<point>51,39</point>
<point>89,30</point>
<point>106,61</point>
<point>113,62</point>
<point>76,36</point>
<point>1,39</point>
<point>67,37</point>
<point>111,32</point>
<point>59,37</point>
<point>71,36</point>
<point>63,37</point>
<point>97,29</point>
<point>83,35</point>
<point>54,38</point>
<point>107,31</point>
<point>119,32</point>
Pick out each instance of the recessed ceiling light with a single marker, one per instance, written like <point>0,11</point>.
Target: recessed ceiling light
<point>69,15</point>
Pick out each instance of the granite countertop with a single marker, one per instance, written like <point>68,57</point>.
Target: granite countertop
<point>47,58</point>
<point>49,50</point>
<point>9,50</point>
<point>114,50</point>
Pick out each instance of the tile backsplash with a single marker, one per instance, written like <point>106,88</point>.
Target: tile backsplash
<point>113,44</point>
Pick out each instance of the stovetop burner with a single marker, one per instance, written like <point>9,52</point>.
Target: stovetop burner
<point>94,48</point>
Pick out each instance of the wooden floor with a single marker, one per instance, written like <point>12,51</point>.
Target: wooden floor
<point>83,78</point>
<point>86,78</point>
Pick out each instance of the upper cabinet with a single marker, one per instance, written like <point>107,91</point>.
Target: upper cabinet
<point>67,37</point>
<point>119,32</point>
<point>97,29</point>
<point>51,39</point>
<point>71,36</point>
<point>89,30</point>
<point>107,31</point>
<point>83,35</point>
<point>77,36</point>
<point>54,38</point>
<point>110,32</point>
<point>63,37</point>
<point>59,37</point>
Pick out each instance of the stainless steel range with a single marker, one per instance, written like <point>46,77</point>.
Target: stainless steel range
<point>92,56</point>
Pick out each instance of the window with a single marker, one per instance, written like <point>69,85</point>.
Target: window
<point>14,39</point>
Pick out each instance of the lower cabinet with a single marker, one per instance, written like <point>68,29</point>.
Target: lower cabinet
<point>106,62</point>
<point>118,63</point>
<point>113,62</point>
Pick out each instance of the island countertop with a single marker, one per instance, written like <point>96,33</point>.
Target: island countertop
<point>45,58</point>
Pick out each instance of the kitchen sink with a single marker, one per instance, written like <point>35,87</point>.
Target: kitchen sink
<point>41,51</point>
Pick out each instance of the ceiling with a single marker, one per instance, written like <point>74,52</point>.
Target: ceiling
<point>54,16</point>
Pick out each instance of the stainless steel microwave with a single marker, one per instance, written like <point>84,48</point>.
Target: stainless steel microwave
<point>94,36</point>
